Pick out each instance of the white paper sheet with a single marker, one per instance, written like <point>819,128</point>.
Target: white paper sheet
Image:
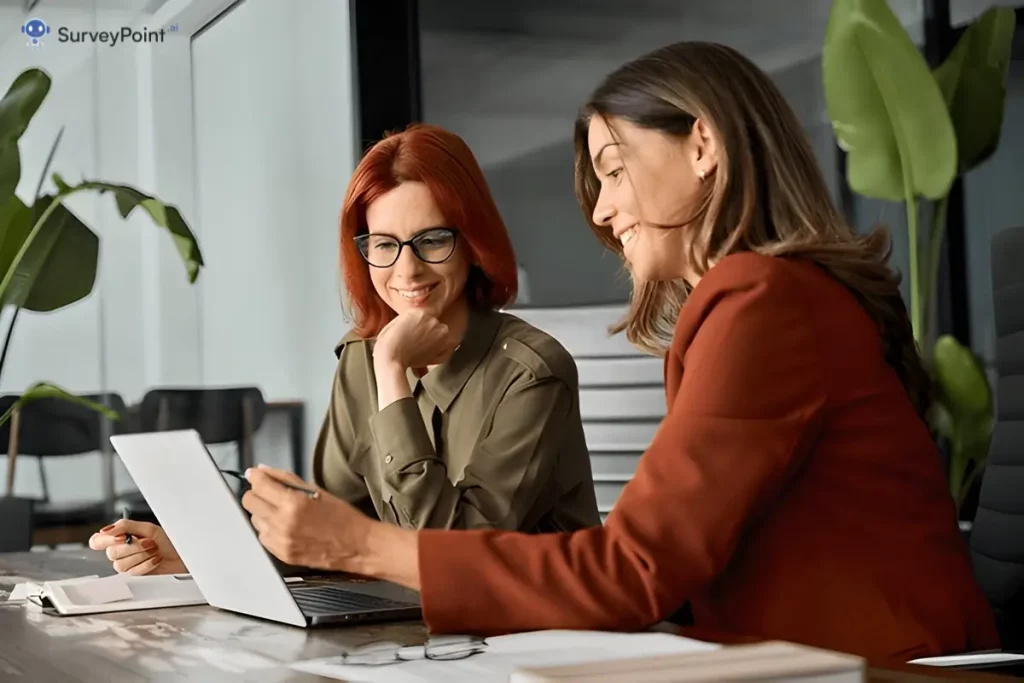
<point>968,659</point>
<point>506,654</point>
<point>98,591</point>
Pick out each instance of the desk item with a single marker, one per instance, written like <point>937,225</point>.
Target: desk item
<point>118,593</point>
<point>494,659</point>
<point>311,493</point>
<point>972,660</point>
<point>771,661</point>
<point>185,489</point>
<point>127,537</point>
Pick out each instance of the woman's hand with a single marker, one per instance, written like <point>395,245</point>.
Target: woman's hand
<point>413,340</point>
<point>150,551</point>
<point>326,532</point>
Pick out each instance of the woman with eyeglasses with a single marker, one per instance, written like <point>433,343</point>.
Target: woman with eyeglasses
<point>445,413</point>
<point>793,490</point>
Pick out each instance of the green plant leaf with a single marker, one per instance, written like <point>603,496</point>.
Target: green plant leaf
<point>43,390</point>
<point>68,273</point>
<point>18,106</point>
<point>961,379</point>
<point>164,215</point>
<point>973,83</point>
<point>886,109</point>
<point>57,268</point>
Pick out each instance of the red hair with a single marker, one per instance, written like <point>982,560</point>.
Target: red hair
<point>444,163</point>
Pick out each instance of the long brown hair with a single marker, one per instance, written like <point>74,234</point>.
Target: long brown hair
<point>767,194</point>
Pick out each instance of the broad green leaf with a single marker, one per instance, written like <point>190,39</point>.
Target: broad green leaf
<point>961,379</point>
<point>47,280</point>
<point>68,274</point>
<point>18,106</point>
<point>15,224</point>
<point>886,109</point>
<point>164,215</point>
<point>46,390</point>
<point>973,83</point>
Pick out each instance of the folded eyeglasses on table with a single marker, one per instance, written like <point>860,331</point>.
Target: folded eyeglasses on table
<point>437,648</point>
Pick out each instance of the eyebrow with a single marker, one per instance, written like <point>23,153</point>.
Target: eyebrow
<point>597,157</point>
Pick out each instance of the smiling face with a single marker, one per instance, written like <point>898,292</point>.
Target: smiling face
<point>649,179</point>
<point>408,212</point>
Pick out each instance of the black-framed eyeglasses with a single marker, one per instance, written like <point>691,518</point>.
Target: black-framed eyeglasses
<point>435,245</point>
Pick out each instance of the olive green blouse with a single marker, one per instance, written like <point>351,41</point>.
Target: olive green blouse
<point>490,439</point>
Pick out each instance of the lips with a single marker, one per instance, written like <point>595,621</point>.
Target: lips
<point>415,294</point>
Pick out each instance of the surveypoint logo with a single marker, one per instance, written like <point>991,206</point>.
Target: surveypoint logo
<point>35,29</point>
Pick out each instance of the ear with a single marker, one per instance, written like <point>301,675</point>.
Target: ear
<point>705,149</point>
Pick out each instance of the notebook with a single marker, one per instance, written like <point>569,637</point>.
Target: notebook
<point>118,593</point>
<point>770,661</point>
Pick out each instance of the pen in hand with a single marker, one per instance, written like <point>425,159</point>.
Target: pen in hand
<point>127,537</point>
<point>301,489</point>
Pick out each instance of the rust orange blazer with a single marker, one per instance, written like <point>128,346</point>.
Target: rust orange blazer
<point>791,492</point>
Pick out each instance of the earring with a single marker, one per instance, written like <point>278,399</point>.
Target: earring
<point>701,174</point>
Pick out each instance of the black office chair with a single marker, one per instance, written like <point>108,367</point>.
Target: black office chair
<point>219,415</point>
<point>52,428</point>
<point>997,538</point>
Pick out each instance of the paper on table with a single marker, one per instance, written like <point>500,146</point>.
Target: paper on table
<point>506,654</point>
<point>23,591</point>
<point>977,659</point>
<point>99,591</point>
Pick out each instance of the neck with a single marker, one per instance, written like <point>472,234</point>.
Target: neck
<point>456,317</point>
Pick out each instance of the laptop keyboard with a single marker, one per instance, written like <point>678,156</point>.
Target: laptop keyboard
<point>314,600</point>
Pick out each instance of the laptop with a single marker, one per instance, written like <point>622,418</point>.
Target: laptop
<point>211,532</point>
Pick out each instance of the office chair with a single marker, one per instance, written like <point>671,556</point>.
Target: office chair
<point>52,428</point>
<point>997,538</point>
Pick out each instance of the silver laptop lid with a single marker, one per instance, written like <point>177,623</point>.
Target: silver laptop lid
<point>209,529</point>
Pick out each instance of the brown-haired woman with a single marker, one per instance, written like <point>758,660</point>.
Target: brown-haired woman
<point>444,412</point>
<point>793,490</point>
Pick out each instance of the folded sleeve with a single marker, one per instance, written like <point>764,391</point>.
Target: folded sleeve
<point>507,470</point>
<point>743,417</point>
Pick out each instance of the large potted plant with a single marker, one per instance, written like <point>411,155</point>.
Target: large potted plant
<point>909,132</point>
<point>48,256</point>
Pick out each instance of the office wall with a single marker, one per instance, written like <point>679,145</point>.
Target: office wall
<point>273,153</point>
<point>266,310</point>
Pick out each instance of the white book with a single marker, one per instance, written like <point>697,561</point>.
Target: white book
<point>118,593</point>
<point>770,661</point>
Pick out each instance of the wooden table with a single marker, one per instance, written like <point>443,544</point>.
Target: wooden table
<point>195,643</point>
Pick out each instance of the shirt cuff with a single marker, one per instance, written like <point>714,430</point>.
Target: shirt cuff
<point>400,435</point>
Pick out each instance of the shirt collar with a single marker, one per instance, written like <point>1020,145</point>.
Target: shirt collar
<point>444,382</point>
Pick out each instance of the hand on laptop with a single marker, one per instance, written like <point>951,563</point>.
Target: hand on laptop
<point>325,532</point>
<point>150,551</point>
<point>296,528</point>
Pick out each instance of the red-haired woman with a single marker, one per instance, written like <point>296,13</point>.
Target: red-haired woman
<point>445,412</point>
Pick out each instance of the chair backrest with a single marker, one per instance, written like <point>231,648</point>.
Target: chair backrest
<point>55,427</point>
<point>997,537</point>
<point>220,415</point>
<point>52,427</point>
<point>622,395</point>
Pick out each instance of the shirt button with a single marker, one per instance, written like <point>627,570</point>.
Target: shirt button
<point>387,459</point>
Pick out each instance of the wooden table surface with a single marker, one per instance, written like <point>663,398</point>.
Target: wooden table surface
<point>197,643</point>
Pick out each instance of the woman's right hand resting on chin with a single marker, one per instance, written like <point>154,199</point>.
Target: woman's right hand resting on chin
<point>150,551</point>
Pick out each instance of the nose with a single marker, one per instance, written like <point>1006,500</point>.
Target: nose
<point>407,266</point>
<point>603,210</point>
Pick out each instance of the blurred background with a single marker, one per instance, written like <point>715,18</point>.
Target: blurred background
<point>249,116</point>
